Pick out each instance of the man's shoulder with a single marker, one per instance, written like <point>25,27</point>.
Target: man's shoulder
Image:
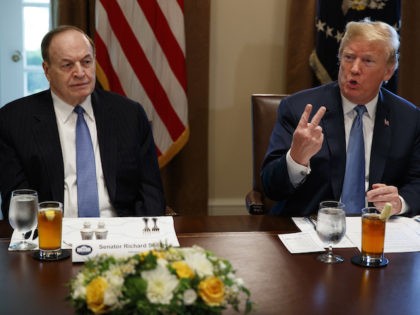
<point>116,105</point>
<point>27,104</point>
<point>101,95</point>
<point>395,100</point>
<point>318,91</point>
<point>317,96</point>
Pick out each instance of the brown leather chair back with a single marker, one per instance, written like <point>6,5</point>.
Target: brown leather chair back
<point>264,114</point>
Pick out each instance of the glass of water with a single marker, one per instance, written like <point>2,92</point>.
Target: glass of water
<point>331,227</point>
<point>23,212</point>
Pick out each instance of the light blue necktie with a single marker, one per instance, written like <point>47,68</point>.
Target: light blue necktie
<point>87,188</point>
<point>353,195</point>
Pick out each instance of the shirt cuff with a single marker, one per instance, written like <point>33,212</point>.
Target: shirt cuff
<point>404,207</point>
<point>297,172</point>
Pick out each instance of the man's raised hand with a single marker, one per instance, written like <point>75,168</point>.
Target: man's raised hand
<point>308,136</point>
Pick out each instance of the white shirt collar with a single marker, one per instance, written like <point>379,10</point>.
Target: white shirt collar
<point>370,106</point>
<point>64,111</point>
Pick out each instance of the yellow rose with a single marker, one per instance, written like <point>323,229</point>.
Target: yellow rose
<point>159,254</point>
<point>143,254</point>
<point>155,253</point>
<point>212,291</point>
<point>182,269</point>
<point>95,291</point>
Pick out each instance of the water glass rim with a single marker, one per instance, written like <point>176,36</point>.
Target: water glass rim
<point>24,191</point>
<point>338,204</point>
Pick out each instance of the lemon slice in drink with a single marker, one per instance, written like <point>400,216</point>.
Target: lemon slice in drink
<point>386,212</point>
<point>50,214</point>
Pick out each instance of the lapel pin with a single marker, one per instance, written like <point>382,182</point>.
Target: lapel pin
<point>386,122</point>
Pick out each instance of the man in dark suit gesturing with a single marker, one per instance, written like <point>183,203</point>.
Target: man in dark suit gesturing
<point>306,159</point>
<point>38,141</point>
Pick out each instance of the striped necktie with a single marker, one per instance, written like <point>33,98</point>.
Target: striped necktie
<point>353,195</point>
<point>87,189</point>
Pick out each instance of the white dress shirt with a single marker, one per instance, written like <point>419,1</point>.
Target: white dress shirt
<point>66,122</point>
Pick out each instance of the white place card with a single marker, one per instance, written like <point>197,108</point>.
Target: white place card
<point>123,235</point>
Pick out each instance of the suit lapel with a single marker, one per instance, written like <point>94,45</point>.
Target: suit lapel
<point>381,142</point>
<point>47,141</point>
<point>107,140</point>
<point>334,135</point>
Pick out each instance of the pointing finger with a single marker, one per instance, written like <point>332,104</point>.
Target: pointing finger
<point>305,116</point>
<point>318,116</point>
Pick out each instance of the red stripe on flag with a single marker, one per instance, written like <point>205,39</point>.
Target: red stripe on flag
<point>166,39</point>
<point>158,152</point>
<point>104,61</point>
<point>181,5</point>
<point>143,69</point>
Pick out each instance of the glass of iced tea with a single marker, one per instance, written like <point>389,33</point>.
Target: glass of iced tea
<point>50,217</point>
<point>373,239</point>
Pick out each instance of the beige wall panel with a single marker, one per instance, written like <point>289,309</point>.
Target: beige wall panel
<point>247,55</point>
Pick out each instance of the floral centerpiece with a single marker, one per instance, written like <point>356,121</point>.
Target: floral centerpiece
<point>166,280</point>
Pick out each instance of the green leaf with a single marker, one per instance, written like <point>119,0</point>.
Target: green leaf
<point>135,288</point>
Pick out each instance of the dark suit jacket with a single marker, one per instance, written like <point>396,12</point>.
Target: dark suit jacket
<point>395,151</point>
<point>31,157</point>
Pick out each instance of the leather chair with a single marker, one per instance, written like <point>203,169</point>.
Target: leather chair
<point>263,117</point>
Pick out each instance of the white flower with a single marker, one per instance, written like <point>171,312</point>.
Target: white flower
<point>189,297</point>
<point>79,292</point>
<point>240,282</point>
<point>110,297</point>
<point>115,280</point>
<point>174,254</point>
<point>79,287</point>
<point>162,262</point>
<point>199,263</point>
<point>129,267</point>
<point>160,285</point>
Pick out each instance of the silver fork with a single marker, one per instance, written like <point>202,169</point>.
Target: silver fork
<point>155,228</point>
<point>146,228</point>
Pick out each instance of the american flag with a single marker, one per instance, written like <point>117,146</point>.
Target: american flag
<point>140,52</point>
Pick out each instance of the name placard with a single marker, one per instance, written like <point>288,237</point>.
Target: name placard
<point>89,237</point>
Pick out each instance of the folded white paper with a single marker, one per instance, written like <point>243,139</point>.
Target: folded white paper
<point>300,242</point>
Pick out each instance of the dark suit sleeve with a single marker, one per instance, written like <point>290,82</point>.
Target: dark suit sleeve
<point>12,175</point>
<point>410,189</point>
<point>153,202</point>
<point>274,174</point>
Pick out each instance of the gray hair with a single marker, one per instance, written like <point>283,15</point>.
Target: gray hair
<point>46,41</point>
<point>374,31</point>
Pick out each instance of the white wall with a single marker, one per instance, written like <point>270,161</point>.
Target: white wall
<point>247,55</point>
